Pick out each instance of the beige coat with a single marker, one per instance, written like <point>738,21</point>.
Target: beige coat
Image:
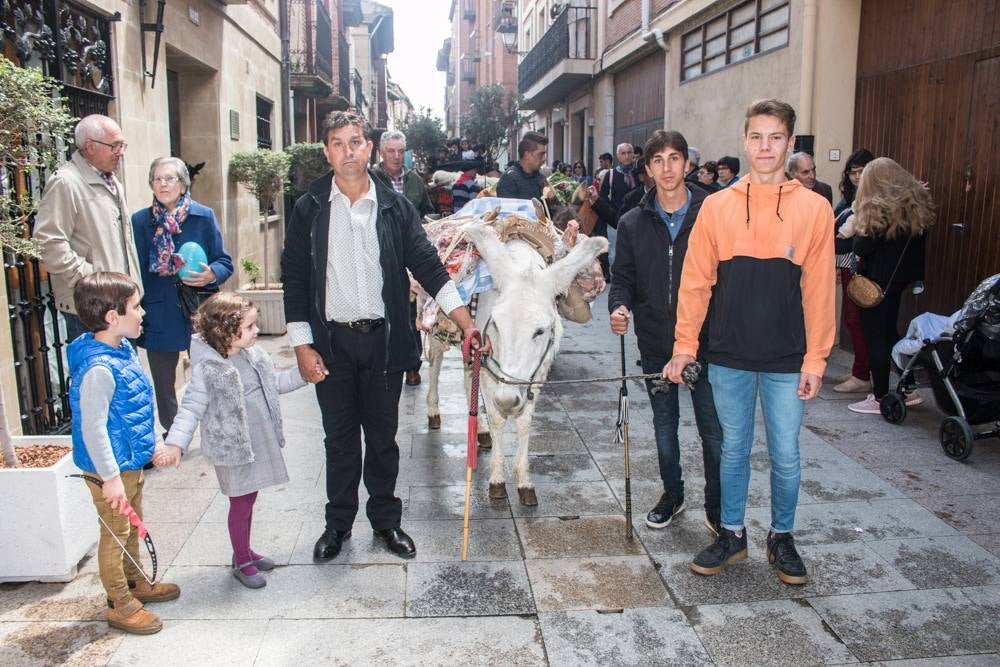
<point>82,228</point>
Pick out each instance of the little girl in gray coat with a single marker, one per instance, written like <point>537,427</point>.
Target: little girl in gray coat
<point>234,394</point>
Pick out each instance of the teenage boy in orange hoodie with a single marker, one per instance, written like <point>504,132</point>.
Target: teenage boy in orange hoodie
<point>758,267</point>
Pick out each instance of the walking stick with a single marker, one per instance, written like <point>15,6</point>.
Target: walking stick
<point>622,436</point>
<point>474,357</point>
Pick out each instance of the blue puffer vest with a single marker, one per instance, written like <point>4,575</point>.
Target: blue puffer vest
<point>130,415</point>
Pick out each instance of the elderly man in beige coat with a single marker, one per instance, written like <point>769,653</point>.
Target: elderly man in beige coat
<point>83,223</point>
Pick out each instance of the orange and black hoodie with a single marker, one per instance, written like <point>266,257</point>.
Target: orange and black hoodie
<point>760,266</point>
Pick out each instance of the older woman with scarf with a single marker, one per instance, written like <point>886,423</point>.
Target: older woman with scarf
<point>160,230</point>
<point>892,213</point>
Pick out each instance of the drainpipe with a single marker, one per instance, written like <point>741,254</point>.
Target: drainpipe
<point>809,11</point>
<point>286,79</point>
<point>648,34</point>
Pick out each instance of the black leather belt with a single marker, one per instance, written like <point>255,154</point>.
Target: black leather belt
<point>364,326</point>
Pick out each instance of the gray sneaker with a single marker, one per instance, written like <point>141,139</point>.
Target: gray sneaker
<point>255,580</point>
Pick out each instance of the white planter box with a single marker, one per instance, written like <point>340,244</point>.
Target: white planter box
<point>270,308</point>
<point>50,522</point>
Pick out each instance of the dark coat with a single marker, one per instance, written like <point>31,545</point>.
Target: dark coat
<point>413,189</point>
<point>164,327</point>
<point>825,190</point>
<point>877,258</point>
<point>615,186</point>
<point>646,274</point>
<point>403,245</point>
<point>517,184</point>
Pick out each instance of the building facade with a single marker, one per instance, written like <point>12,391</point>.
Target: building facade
<point>474,56</point>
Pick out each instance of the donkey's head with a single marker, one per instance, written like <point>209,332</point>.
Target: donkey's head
<point>524,326</point>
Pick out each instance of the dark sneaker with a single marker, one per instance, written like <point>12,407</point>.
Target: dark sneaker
<point>727,548</point>
<point>782,555</point>
<point>664,512</point>
<point>713,523</point>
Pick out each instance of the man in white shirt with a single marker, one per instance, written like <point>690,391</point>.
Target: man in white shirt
<point>349,244</point>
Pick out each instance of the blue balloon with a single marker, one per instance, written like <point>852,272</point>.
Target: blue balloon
<point>194,256</point>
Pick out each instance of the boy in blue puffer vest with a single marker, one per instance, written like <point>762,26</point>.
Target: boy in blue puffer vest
<point>113,437</point>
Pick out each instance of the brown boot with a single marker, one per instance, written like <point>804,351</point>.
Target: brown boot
<point>158,592</point>
<point>129,615</point>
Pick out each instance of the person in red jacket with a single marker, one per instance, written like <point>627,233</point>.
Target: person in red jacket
<point>758,267</point>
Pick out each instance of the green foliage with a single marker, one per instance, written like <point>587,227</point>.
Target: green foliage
<point>492,116</point>
<point>30,106</point>
<point>262,172</point>
<point>252,269</point>
<point>423,134</point>
<point>307,162</point>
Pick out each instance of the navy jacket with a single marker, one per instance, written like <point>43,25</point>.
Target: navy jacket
<point>164,327</point>
<point>403,245</point>
<point>646,275</point>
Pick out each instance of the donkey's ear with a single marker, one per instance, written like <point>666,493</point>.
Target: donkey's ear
<point>489,246</point>
<point>560,275</point>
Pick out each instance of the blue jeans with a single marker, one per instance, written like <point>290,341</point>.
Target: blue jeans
<point>736,401</point>
<point>666,418</point>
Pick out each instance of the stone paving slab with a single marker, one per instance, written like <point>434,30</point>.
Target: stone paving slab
<point>501,640</point>
<point>647,637</point>
<point>943,479</point>
<point>572,538</point>
<point>912,624</point>
<point>941,562</point>
<point>209,544</point>
<point>35,644</point>
<point>563,584</point>
<point>448,502</point>
<point>567,499</point>
<point>312,591</point>
<point>779,632</point>
<point>834,569</point>
<point>468,589</point>
<point>967,513</point>
<point>192,642</point>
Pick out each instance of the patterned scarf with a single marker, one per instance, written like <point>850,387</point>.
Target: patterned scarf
<point>163,261</point>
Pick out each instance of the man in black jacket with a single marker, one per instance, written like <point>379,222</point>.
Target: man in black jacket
<point>645,278</point>
<point>348,246</point>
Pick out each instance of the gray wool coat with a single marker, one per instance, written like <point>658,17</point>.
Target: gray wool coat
<point>214,397</point>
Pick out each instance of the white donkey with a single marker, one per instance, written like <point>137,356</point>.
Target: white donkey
<point>522,322</point>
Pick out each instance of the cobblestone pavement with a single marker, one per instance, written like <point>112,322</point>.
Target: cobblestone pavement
<point>902,545</point>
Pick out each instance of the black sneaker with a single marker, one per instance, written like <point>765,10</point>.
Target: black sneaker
<point>782,555</point>
<point>664,512</point>
<point>713,523</point>
<point>727,548</point>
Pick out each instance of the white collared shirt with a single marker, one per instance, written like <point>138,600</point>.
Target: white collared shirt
<point>353,271</point>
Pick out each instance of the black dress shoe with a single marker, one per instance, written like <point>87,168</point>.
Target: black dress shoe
<point>329,544</point>
<point>398,542</point>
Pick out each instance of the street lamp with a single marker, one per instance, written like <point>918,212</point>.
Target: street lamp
<point>505,24</point>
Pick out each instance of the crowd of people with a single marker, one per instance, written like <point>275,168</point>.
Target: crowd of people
<point>696,248</point>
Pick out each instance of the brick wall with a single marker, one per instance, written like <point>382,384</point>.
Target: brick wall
<point>627,18</point>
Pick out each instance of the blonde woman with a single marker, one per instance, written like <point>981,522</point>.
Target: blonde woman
<point>893,210</point>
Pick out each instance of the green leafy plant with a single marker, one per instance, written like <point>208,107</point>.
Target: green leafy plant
<point>307,162</point>
<point>423,134</point>
<point>263,173</point>
<point>252,269</point>
<point>34,129</point>
<point>493,114</point>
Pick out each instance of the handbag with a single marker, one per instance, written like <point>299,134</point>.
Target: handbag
<point>867,293</point>
<point>189,298</point>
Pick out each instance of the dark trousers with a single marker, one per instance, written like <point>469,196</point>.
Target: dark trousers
<point>163,369</point>
<point>74,327</point>
<point>416,332</point>
<point>666,419</point>
<point>356,395</point>
<point>879,325</point>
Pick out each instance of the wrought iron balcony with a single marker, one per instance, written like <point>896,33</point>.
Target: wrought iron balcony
<point>344,66</point>
<point>310,49</point>
<point>469,10</point>
<point>562,60</point>
<point>468,69</point>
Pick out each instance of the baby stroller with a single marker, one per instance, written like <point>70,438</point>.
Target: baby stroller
<point>963,368</point>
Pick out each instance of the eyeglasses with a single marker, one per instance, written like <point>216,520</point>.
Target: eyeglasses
<point>856,171</point>
<point>117,147</point>
<point>166,180</point>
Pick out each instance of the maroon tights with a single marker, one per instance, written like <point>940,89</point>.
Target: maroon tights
<point>240,518</point>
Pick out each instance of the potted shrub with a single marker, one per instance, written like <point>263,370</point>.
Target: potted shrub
<point>49,521</point>
<point>263,173</point>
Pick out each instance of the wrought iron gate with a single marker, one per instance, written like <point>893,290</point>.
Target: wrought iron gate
<point>70,44</point>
